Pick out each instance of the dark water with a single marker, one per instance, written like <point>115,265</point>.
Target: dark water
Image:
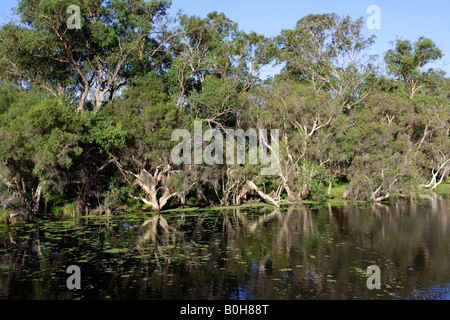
<point>298,252</point>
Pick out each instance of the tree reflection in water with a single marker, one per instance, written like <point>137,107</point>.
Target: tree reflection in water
<point>296,252</point>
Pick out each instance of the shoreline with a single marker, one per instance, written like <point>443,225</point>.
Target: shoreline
<point>335,201</point>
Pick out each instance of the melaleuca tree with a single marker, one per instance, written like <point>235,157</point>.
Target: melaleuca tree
<point>381,150</point>
<point>215,64</point>
<point>304,118</point>
<point>116,41</point>
<point>99,137</point>
<point>329,53</point>
<point>149,117</point>
<point>407,61</point>
<point>431,133</point>
<point>39,145</point>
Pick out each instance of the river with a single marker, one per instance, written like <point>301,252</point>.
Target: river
<point>298,252</point>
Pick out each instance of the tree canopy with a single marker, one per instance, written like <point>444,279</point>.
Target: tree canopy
<point>87,115</point>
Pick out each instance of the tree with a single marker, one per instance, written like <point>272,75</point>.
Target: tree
<point>328,52</point>
<point>149,117</point>
<point>301,114</point>
<point>382,150</point>
<point>432,138</point>
<point>215,64</point>
<point>407,60</point>
<point>116,40</point>
<point>38,147</point>
<point>139,75</point>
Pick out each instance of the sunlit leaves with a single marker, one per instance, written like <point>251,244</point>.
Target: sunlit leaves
<point>407,60</point>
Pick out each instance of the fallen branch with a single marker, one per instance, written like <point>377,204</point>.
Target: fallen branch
<point>263,195</point>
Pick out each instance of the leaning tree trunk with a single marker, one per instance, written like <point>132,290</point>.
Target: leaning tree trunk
<point>263,195</point>
<point>434,182</point>
<point>151,184</point>
<point>29,207</point>
<point>201,195</point>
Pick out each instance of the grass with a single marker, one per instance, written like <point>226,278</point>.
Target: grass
<point>67,210</point>
<point>4,215</point>
<point>443,189</point>
<point>337,192</point>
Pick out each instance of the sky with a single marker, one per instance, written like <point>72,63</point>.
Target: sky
<point>405,19</point>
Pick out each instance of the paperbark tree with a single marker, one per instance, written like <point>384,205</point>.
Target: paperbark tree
<point>215,64</point>
<point>38,147</point>
<point>116,40</point>
<point>300,113</point>
<point>407,60</point>
<point>148,116</point>
<point>329,52</point>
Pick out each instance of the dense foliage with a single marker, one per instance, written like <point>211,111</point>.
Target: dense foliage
<point>87,115</point>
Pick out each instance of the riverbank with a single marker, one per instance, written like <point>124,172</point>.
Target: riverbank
<point>299,252</point>
<point>443,189</point>
<point>336,199</point>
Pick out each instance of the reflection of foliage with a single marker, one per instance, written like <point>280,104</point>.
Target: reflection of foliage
<point>115,195</point>
<point>289,253</point>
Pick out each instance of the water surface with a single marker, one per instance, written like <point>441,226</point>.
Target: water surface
<point>297,252</point>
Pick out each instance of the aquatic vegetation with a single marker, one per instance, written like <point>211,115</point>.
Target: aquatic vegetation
<point>297,252</point>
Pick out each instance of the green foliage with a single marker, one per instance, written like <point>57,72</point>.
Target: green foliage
<point>115,195</point>
<point>443,189</point>
<point>218,100</point>
<point>137,77</point>
<point>98,129</point>
<point>338,190</point>
<point>215,65</point>
<point>39,141</point>
<point>407,60</point>
<point>328,52</point>
<point>109,47</point>
<point>9,95</point>
<point>67,210</point>
<point>313,178</point>
<point>149,117</point>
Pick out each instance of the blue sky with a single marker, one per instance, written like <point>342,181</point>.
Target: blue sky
<point>407,19</point>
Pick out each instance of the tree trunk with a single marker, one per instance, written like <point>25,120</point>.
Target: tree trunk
<point>149,184</point>
<point>264,196</point>
<point>29,207</point>
<point>436,184</point>
<point>149,187</point>
<point>182,197</point>
<point>83,98</point>
<point>330,186</point>
<point>201,195</point>
<point>35,201</point>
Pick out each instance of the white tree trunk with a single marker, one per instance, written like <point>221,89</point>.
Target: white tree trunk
<point>266,197</point>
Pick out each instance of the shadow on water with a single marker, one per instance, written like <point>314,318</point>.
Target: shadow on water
<point>296,252</point>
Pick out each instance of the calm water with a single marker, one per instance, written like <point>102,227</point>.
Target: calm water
<point>299,252</point>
